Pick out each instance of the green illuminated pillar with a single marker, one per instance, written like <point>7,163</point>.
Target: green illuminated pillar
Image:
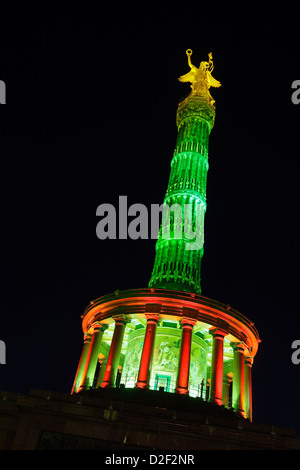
<point>179,248</point>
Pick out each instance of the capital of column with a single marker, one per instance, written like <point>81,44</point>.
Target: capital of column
<point>152,318</point>
<point>218,332</point>
<point>98,326</point>
<point>121,319</point>
<point>249,361</point>
<point>87,337</point>
<point>188,323</point>
<point>239,347</point>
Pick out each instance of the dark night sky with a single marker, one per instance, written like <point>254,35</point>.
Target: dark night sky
<point>90,116</point>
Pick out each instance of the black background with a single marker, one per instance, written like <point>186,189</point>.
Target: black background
<point>90,115</point>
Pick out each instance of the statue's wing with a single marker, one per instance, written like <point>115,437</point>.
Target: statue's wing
<point>212,81</point>
<point>188,77</point>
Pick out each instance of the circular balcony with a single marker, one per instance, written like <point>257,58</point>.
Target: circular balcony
<point>164,339</point>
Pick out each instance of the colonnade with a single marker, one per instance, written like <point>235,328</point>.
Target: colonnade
<point>242,364</point>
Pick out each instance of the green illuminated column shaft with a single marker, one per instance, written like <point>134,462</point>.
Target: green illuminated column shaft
<point>179,249</point>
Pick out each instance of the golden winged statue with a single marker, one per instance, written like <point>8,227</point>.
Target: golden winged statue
<point>201,78</point>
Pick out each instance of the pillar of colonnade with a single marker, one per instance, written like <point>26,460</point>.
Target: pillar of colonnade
<point>82,361</point>
<point>147,353</point>
<point>216,375</point>
<point>238,384</point>
<point>112,364</point>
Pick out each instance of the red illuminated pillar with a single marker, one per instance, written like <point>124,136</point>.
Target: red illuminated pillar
<point>238,383</point>
<point>110,374</point>
<point>92,357</point>
<point>86,345</point>
<point>248,387</point>
<point>216,378</point>
<point>147,354</point>
<point>185,356</point>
